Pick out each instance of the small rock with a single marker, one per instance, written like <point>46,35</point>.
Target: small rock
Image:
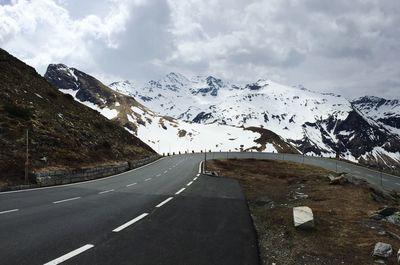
<point>376,216</point>
<point>394,218</point>
<point>331,177</point>
<point>300,195</point>
<point>382,250</point>
<point>338,180</point>
<point>303,217</point>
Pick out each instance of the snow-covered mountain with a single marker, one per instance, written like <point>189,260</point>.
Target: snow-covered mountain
<point>386,112</point>
<point>163,133</point>
<point>317,123</point>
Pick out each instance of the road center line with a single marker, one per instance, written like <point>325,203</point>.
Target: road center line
<point>131,184</point>
<point>131,222</point>
<point>164,202</point>
<point>190,183</point>
<point>70,255</point>
<point>67,200</point>
<point>9,211</point>
<point>179,191</point>
<point>147,179</point>
<point>106,191</point>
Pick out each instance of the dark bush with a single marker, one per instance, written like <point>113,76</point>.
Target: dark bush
<point>52,94</point>
<point>17,111</point>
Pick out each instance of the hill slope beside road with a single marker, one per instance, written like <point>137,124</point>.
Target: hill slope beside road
<point>62,132</point>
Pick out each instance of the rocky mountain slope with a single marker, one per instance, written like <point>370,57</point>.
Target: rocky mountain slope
<point>316,123</point>
<point>385,112</point>
<point>62,132</point>
<point>165,134</point>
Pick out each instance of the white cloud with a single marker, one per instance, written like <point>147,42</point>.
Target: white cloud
<point>351,47</point>
<point>43,31</point>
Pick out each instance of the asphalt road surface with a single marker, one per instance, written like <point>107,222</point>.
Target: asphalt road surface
<point>163,213</point>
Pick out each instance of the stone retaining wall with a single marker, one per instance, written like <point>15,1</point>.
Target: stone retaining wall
<point>48,178</point>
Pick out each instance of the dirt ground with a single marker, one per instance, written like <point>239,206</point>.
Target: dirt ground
<point>343,233</point>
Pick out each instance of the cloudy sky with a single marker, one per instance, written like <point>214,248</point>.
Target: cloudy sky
<point>348,47</point>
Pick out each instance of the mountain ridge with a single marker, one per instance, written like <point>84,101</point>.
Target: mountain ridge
<point>316,123</point>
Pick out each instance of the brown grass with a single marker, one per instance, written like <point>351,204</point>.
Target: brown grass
<point>343,232</point>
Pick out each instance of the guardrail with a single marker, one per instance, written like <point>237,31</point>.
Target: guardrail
<point>379,179</point>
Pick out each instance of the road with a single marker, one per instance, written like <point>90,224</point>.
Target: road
<point>163,213</point>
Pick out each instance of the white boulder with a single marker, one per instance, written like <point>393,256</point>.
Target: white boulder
<point>382,250</point>
<point>303,217</point>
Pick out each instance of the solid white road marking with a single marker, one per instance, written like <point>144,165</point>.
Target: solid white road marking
<point>179,191</point>
<point>67,200</point>
<point>131,184</point>
<point>190,183</point>
<point>147,179</point>
<point>200,167</point>
<point>131,222</point>
<point>9,211</point>
<point>164,202</point>
<point>106,191</point>
<point>69,255</point>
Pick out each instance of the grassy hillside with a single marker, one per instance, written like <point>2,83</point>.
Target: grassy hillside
<point>66,133</point>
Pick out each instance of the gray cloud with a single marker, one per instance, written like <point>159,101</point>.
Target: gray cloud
<point>348,47</point>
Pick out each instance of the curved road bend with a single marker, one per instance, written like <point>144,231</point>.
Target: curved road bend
<point>162,213</point>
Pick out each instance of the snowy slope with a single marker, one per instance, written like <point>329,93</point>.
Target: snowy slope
<point>317,123</point>
<point>385,112</point>
<point>164,134</point>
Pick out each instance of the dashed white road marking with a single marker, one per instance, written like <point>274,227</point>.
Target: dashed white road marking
<point>179,191</point>
<point>164,202</point>
<point>131,222</point>
<point>9,211</point>
<point>147,179</point>
<point>70,255</point>
<point>131,184</point>
<point>398,184</point>
<point>190,183</point>
<point>67,200</point>
<point>158,175</point>
<point>165,171</point>
<point>198,175</point>
<point>195,178</point>
<point>106,191</point>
